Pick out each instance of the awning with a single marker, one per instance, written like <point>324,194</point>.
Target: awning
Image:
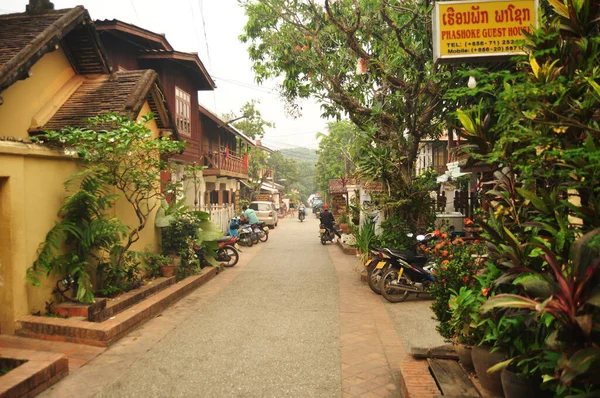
<point>268,189</point>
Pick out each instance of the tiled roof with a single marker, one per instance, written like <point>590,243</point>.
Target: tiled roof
<point>122,92</point>
<point>144,37</point>
<point>25,38</point>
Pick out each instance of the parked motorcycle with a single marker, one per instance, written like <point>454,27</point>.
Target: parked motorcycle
<point>246,235</point>
<point>228,254</point>
<point>262,231</point>
<point>325,234</point>
<point>384,259</point>
<point>407,273</point>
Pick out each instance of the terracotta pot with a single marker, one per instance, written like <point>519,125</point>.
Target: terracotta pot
<point>344,227</point>
<point>483,359</point>
<point>167,270</point>
<point>464,354</point>
<point>516,386</point>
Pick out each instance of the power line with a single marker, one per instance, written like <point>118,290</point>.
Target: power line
<point>201,5</point>
<point>246,85</point>
<point>136,13</point>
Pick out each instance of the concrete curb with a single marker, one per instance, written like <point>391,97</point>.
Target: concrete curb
<point>349,250</point>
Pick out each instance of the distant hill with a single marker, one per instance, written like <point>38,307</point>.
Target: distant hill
<point>300,154</point>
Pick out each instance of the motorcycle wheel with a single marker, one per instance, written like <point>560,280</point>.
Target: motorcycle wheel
<point>254,238</point>
<point>246,241</point>
<point>263,237</point>
<point>390,294</point>
<point>229,254</point>
<point>374,276</point>
<point>323,241</point>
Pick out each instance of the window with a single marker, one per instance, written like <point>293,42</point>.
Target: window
<point>183,111</point>
<point>257,206</point>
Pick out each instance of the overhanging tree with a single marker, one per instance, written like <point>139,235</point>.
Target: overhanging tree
<point>368,59</point>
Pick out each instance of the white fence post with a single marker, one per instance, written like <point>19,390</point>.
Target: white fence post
<point>221,215</point>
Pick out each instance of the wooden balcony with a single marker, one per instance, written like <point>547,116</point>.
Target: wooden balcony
<point>223,163</point>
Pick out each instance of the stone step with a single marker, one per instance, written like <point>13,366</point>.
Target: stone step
<point>108,331</point>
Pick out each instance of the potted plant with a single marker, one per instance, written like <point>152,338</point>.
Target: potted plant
<point>343,222</point>
<point>158,265</point>
<point>464,309</point>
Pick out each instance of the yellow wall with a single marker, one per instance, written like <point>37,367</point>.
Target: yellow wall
<point>26,97</point>
<point>149,236</point>
<point>31,193</point>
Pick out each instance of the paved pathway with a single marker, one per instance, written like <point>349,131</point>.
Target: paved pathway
<point>292,319</point>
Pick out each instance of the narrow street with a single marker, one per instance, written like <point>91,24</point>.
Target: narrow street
<point>292,319</point>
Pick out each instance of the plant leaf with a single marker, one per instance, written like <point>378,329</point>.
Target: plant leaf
<point>508,301</point>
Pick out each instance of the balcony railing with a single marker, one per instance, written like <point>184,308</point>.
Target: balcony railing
<point>224,160</point>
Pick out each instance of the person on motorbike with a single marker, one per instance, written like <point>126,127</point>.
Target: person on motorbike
<point>301,210</point>
<point>250,215</point>
<point>327,220</point>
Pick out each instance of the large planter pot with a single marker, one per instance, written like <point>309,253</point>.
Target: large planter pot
<point>344,227</point>
<point>175,261</point>
<point>516,386</point>
<point>483,359</point>
<point>464,355</point>
<point>167,270</point>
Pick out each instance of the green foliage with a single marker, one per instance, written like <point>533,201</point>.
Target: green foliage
<point>464,315</point>
<point>152,262</point>
<point>395,233</point>
<point>543,119</point>
<point>120,273</point>
<point>175,236</point>
<point>457,264</point>
<point>365,238</point>
<point>336,153</point>
<point>122,154</point>
<point>251,122</point>
<point>313,48</point>
<point>83,237</point>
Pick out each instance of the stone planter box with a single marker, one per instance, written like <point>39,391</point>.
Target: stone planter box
<point>37,371</point>
<point>105,333</point>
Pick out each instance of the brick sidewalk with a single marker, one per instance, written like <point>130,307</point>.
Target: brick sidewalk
<point>374,362</point>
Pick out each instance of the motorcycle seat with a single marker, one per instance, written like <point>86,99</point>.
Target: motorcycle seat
<point>407,256</point>
<point>224,239</point>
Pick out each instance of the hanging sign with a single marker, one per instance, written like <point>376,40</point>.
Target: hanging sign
<point>337,186</point>
<point>464,30</point>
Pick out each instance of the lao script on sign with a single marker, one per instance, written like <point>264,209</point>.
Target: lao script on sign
<point>466,29</point>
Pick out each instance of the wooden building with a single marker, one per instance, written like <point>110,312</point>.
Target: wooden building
<point>210,141</point>
<point>54,73</point>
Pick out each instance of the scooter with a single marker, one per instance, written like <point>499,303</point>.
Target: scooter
<point>406,273</point>
<point>245,232</point>
<point>325,234</point>
<point>301,214</point>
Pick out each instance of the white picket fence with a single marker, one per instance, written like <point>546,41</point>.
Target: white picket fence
<point>220,215</point>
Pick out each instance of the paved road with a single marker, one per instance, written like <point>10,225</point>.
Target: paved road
<point>273,331</point>
<point>291,320</point>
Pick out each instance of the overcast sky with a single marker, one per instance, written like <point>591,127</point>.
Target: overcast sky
<point>210,28</point>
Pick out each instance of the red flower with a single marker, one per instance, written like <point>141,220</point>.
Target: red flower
<point>485,291</point>
<point>476,241</point>
<point>445,262</point>
<point>444,280</point>
<point>445,253</point>
<point>468,221</point>
<point>465,279</point>
<point>436,233</point>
